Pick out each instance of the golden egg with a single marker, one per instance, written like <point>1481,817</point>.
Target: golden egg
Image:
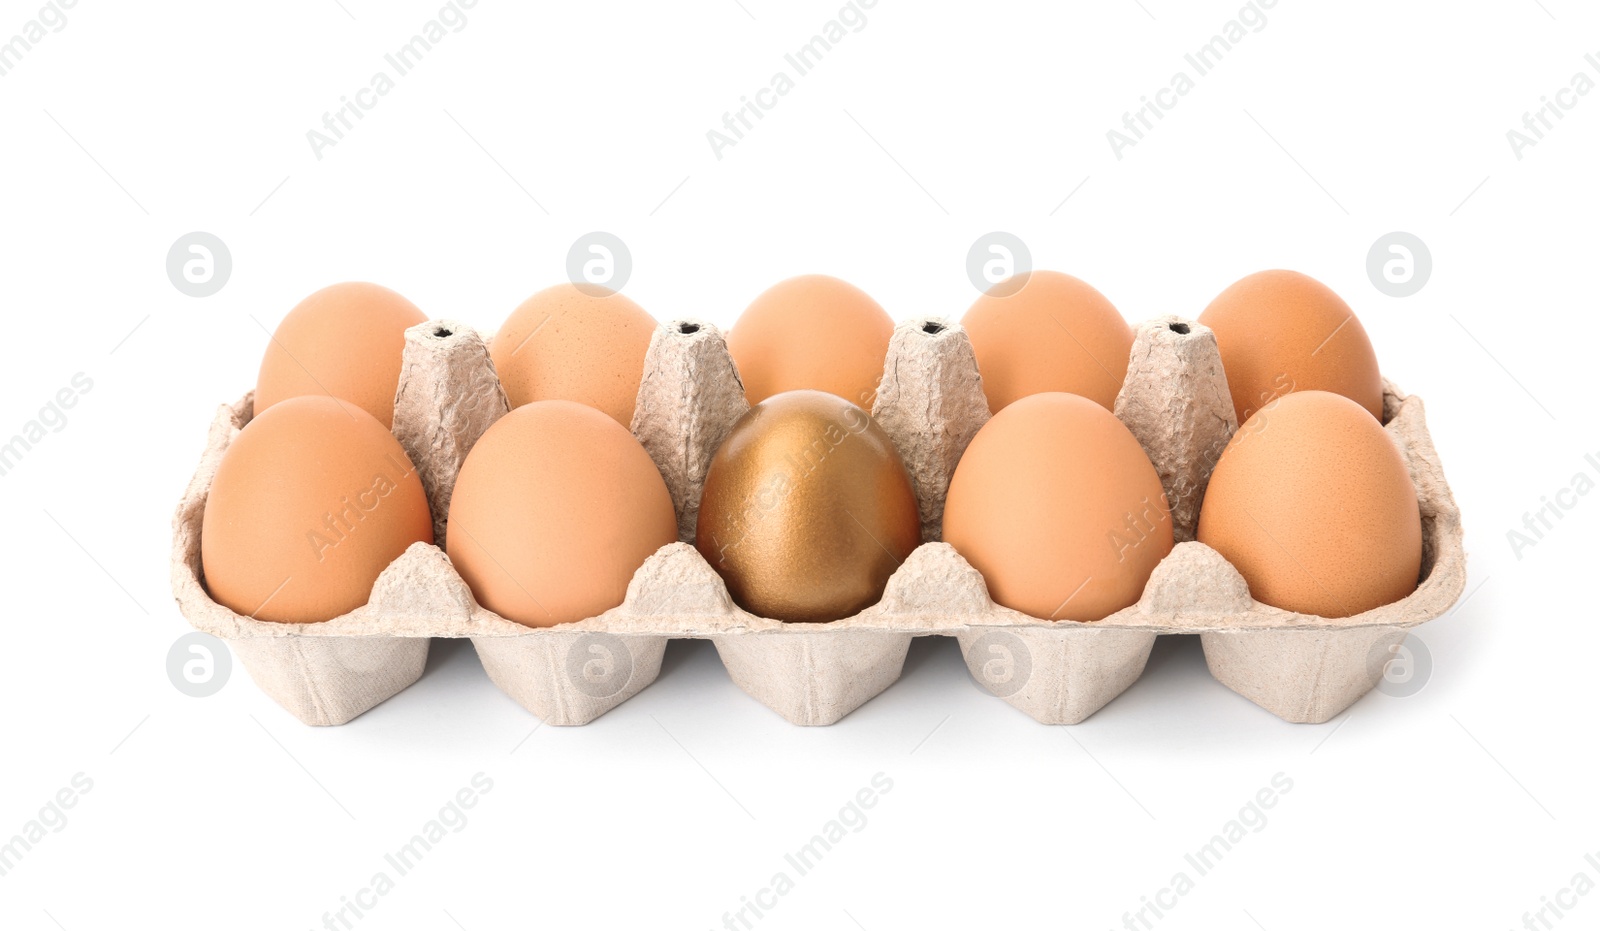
<point>310,503</point>
<point>571,343</point>
<point>1056,505</point>
<point>345,341</point>
<point>1313,504</point>
<point>808,509</point>
<point>1054,333</point>
<point>812,331</point>
<point>1281,331</point>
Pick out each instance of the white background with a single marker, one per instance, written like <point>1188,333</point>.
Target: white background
<point>1461,807</point>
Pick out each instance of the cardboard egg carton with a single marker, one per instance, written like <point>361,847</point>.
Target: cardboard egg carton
<point>1175,400</point>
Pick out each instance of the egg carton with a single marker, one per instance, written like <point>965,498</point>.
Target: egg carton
<point>1175,400</point>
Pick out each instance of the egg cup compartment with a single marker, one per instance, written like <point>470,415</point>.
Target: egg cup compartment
<point>1175,400</point>
<point>532,671</point>
<point>809,679</point>
<point>330,680</point>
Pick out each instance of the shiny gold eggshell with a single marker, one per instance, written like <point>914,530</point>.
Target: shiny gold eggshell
<point>808,509</point>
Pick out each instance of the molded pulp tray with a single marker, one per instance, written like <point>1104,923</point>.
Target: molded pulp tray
<point>1175,400</point>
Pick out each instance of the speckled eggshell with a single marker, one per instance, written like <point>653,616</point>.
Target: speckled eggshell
<point>1057,507</point>
<point>1054,333</point>
<point>815,332</point>
<point>346,341</point>
<point>310,504</point>
<point>1313,504</point>
<point>568,343</point>
<point>555,509</point>
<point>1281,331</point>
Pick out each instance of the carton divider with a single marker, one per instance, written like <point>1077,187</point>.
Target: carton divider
<point>931,403</point>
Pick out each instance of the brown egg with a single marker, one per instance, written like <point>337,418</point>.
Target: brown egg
<point>807,509</point>
<point>812,332</point>
<point>310,503</point>
<point>575,344</point>
<point>555,509</point>
<point>1056,505</point>
<point>346,341</point>
<point>1313,504</point>
<point>1055,333</point>
<point>1281,331</point>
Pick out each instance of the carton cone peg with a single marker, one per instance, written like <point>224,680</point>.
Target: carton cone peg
<point>448,395</point>
<point>689,398</point>
<point>931,403</point>
<point>1175,400</point>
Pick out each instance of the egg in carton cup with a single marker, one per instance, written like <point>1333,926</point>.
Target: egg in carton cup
<point>1175,401</point>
